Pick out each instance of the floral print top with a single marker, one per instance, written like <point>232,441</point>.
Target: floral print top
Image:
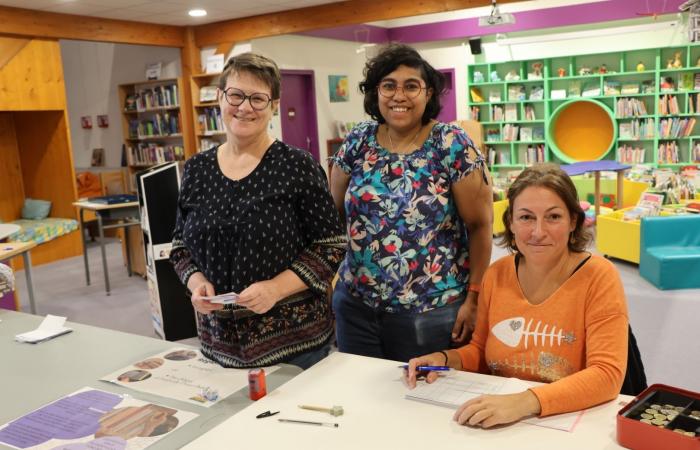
<point>408,249</point>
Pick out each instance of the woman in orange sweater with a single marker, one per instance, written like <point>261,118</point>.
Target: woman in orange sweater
<point>550,312</point>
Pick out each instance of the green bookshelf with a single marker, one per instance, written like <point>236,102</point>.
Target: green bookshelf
<point>629,113</point>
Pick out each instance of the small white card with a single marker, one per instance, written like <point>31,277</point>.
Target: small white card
<point>215,63</point>
<point>50,327</point>
<point>224,299</point>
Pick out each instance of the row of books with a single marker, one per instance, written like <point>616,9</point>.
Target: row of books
<point>693,103</point>
<point>501,157</point>
<point>534,154</point>
<point>696,153</point>
<point>637,129</point>
<point>631,155</point>
<point>474,112</point>
<point>530,113</point>
<point>159,125</point>
<point>668,153</point>
<point>676,127</point>
<point>209,120</point>
<point>510,132</point>
<point>154,153</point>
<point>668,104</point>
<point>156,97</point>
<point>649,204</point>
<point>630,107</point>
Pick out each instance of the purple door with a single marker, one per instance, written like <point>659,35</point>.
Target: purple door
<point>448,100</point>
<point>298,110</point>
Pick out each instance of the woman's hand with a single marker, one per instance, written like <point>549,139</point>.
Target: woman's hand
<point>489,410</point>
<point>260,297</point>
<point>465,320</point>
<point>201,287</point>
<point>411,374</point>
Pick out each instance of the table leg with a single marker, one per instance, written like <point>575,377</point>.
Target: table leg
<point>597,193</point>
<point>128,251</point>
<point>620,185</point>
<point>102,249</point>
<point>85,252</point>
<point>30,285</point>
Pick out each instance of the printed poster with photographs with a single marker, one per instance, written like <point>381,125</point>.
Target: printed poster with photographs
<point>93,419</point>
<point>183,374</point>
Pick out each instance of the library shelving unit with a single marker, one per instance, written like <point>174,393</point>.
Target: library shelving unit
<point>638,106</point>
<point>152,124</point>
<point>209,130</point>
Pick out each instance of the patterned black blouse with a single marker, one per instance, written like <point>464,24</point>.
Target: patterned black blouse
<point>281,216</point>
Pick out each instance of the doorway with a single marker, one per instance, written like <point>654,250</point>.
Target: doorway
<point>448,100</point>
<point>298,110</point>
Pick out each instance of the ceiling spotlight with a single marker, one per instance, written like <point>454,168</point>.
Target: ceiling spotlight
<point>197,12</point>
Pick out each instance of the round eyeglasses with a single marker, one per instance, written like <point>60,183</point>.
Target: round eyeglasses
<point>258,101</point>
<point>410,89</point>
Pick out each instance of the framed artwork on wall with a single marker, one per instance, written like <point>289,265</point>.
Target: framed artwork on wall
<point>103,121</point>
<point>86,122</point>
<point>338,88</point>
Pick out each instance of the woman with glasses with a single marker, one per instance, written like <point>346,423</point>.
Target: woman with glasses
<point>255,218</point>
<point>416,198</point>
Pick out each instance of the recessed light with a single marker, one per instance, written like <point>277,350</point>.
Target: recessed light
<point>197,13</point>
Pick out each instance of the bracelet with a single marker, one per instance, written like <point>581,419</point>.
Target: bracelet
<point>473,287</point>
<point>444,353</point>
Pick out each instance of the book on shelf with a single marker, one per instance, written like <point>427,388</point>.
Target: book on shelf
<point>493,135</point>
<point>538,133</point>
<point>130,102</point>
<point>529,112</point>
<point>631,155</point>
<point>626,130</point>
<point>511,113</point>
<point>537,93</point>
<point>685,81</point>
<point>534,154</point>
<point>591,90</point>
<point>510,132</point>
<point>207,143</point>
<point>526,134</point>
<point>629,88</point>
<point>668,104</point>
<point>496,113</point>
<point>557,94</point>
<point>612,87</point>
<point>573,89</point>
<point>476,95</point>
<point>516,92</point>
<point>207,94</point>
<point>154,153</point>
<point>630,107</point>
<point>696,84</point>
<point>668,152</point>
<point>494,96</point>
<point>474,113</point>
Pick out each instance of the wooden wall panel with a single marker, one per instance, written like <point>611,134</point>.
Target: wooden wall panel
<point>11,189</point>
<point>46,160</point>
<point>33,78</point>
<point>27,22</point>
<point>325,16</point>
<point>9,47</point>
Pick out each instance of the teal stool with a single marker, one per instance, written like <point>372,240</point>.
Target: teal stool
<point>669,253</point>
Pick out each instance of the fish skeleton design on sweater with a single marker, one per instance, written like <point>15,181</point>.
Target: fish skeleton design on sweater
<point>514,330</point>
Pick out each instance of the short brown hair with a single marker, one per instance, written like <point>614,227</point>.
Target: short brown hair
<point>259,66</point>
<point>552,177</point>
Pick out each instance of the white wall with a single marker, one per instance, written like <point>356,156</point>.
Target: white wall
<point>92,72</point>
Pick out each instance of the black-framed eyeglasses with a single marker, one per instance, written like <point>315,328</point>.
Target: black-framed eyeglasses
<point>258,100</point>
<point>411,89</point>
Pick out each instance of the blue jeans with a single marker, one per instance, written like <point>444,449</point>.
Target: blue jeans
<point>308,359</point>
<point>361,330</point>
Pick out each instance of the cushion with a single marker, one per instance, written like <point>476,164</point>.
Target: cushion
<point>42,230</point>
<point>34,209</point>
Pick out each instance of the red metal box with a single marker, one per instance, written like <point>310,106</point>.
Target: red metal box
<point>661,417</point>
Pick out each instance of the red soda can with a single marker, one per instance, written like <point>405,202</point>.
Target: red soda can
<point>256,384</point>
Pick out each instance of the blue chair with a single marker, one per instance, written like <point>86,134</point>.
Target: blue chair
<point>669,254</point>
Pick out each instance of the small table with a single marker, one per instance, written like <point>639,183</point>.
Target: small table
<point>120,211</point>
<point>9,250</point>
<point>596,167</point>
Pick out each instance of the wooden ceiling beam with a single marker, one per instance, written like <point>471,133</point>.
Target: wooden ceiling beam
<point>325,16</point>
<point>43,24</point>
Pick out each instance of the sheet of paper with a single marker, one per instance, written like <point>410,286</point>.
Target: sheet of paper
<point>182,374</point>
<point>93,419</point>
<point>50,327</point>
<point>455,388</point>
<point>225,299</point>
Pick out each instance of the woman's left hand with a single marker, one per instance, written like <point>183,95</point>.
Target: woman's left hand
<point>260,297</point>
<point>465,320</point>
<point>490,410</point>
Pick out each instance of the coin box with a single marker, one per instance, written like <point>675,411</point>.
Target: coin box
<point>660,417</point>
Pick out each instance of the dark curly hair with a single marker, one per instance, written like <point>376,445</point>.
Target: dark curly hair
<point>389,59</point>
<point>552,177</point>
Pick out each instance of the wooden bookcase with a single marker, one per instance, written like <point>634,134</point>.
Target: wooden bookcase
<point>152,124</point>
<point>209,130</point>
<point>611,86</point>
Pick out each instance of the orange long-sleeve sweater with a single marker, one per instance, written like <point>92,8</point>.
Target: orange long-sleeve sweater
<point>576,340</point>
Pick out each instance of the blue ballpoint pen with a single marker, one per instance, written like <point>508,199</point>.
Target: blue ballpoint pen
<point>428,368</point>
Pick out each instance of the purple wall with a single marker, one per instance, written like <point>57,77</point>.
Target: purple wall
<point>561,16</point>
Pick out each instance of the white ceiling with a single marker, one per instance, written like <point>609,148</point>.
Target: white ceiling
<point>169,12</point>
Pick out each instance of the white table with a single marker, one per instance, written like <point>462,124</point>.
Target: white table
<point>377,416</point>
<point>121,211</point>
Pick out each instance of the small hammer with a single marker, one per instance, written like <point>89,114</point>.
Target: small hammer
<point>334,411</point>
